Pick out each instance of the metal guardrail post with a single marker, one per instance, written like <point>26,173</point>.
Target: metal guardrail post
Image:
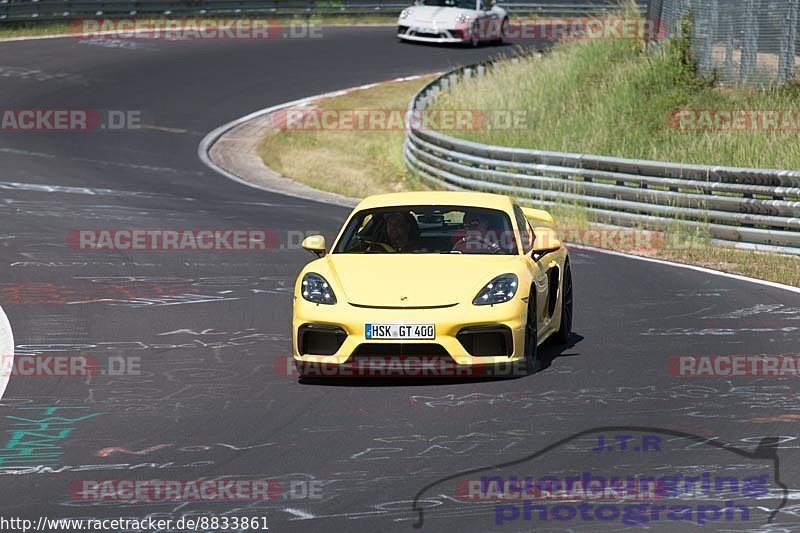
<point>788,43</point>
<point>703,36</point>
<point>728,65</point>
<point>750,45</point>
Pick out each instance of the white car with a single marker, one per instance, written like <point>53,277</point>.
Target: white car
<point>453,21</point>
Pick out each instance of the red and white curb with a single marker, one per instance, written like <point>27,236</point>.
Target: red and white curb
<point>212,137</point>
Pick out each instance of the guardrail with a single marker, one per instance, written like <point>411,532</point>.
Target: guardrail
<point>23,11</point>
<point>742,207</point>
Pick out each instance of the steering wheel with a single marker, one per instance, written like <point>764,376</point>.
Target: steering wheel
<point>382,245</point>
<point>476,242</point>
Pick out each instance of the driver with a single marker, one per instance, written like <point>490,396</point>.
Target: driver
<point>476,234</point>
<point>402,231</point>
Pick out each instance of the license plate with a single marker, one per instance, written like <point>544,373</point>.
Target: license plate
<point>400,331</point>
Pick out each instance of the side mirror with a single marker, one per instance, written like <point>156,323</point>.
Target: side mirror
<point>314,244</point>
<point>545,241</point>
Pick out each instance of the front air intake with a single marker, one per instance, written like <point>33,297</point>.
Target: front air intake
<point>317,339</point>
<point>486,341</point>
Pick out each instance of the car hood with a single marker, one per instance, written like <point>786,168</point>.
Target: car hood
<point>438,15</point>
<point>414,280</point>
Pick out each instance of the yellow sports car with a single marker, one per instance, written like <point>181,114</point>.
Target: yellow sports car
<point>471,281</point>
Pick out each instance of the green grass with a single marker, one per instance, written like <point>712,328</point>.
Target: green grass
<point>612,97</point>
<point>8,31</point>
<point>350,162</point>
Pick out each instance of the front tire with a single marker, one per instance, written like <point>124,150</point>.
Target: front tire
<point>565,330</point>
<point>474,38</point>
<point>532,361</point>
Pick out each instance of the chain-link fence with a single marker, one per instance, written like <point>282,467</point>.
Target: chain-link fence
<point>744,41</point>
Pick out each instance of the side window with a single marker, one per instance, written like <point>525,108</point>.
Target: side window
<point>525,231</point>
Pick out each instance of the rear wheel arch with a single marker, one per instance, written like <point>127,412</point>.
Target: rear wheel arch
<point>566,294</point>
<point>532,298</point>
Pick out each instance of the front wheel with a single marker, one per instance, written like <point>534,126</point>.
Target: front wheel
<point>532,361</point>
<point>474,37</point>
<point>564,332</point>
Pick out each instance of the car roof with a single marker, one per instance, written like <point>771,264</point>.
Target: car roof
<point>466,199</point>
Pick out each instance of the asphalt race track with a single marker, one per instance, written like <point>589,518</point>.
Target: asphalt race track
<point>205,335</point>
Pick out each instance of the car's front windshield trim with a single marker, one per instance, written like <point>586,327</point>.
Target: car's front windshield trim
<point>461,4</point>
<point>428,229</point>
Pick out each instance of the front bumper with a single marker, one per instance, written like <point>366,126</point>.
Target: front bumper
<point>454,340</point>
<point>431,35</point>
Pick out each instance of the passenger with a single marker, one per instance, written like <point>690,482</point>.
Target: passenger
<point>476,236</point>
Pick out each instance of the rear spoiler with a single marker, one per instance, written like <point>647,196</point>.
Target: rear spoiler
<point>539,217</point>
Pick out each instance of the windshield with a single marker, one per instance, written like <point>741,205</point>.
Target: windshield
<point>463,4</point>
<point>428,229</point>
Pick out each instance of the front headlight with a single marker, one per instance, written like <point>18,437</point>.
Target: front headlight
<point>500,289</point>
<point>461,19</point>
<point>405,13</point>
<point>316,289</point>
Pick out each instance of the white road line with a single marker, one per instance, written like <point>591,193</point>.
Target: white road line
<point>65,35</point>
<point>705,270</point>
<point>6,350</point>
<point>299,513</point>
